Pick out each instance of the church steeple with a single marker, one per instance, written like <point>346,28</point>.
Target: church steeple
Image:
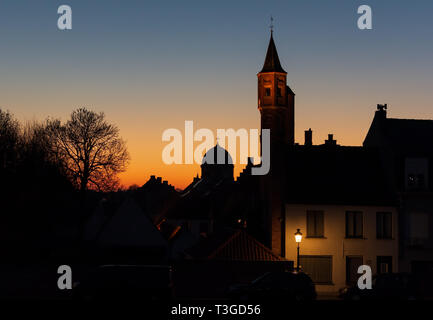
<point>276,101</point>
<point>272,62</point>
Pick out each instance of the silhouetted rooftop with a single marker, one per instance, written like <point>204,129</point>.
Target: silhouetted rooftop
<point>337,175</point>
<point>202,199</point>
<point>217,153</point>
<point>409,132</point>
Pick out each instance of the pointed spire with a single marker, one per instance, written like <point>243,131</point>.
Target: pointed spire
<point>272,62</point>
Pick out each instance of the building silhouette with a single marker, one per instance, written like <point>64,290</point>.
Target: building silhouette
<point>355,205</point>
<point>406,151</point>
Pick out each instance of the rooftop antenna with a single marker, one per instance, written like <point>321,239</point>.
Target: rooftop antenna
<point>272,25</point>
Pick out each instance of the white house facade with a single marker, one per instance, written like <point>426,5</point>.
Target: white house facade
<point>338,238</point>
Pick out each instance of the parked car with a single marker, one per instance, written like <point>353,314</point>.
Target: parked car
<point>389,286</point>
<point>274,286</point>
<point>126,282</point>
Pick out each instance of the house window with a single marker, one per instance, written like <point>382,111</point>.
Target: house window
<point>315,225</point>
<point>384,225</point>
<point>267,92</point>
<point>279,94</point>
<point>319,268</point>
<point>384,264</point>
<point>354,227</point>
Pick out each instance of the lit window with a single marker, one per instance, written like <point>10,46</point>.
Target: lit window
<point>384,264</point>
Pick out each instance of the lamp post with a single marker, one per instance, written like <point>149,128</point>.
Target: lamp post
<point>298,238</point>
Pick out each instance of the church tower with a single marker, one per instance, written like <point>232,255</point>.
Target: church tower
<point>276,101</point>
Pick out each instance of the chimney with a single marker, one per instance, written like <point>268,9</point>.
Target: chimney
<point>331,141</point>
<point>158,180</point>
<point>308,137</point>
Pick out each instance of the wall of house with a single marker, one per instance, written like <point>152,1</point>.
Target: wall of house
<point>335,244</point>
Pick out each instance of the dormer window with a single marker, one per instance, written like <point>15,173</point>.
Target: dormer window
<point>416,173</point>
<point>267,92</point>
<point>416,181</point>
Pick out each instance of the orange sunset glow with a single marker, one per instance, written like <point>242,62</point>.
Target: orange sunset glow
<point>147,78</point>
<point>217,159</point>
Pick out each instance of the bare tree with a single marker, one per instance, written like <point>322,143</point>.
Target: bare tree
<point>91,150</point>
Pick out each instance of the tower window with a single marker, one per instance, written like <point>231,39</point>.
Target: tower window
<point>267,92</point>
<point>279,94</point>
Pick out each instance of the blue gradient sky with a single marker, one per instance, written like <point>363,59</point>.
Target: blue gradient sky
<point>151,65</point>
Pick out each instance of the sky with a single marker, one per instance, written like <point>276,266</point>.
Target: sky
<point>151,65</point>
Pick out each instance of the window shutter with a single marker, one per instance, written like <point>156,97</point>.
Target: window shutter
<point>319,268</point>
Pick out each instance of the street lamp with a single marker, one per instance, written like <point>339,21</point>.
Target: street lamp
<point>298,238</point>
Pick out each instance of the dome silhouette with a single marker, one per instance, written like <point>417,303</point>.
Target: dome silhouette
<point>217,164</point>
<point>217,155</point>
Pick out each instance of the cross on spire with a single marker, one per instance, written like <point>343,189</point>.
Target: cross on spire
<point>271,26</point>
<point>272,62</point>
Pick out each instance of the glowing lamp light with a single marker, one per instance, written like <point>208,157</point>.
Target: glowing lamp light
<point>298,236</point>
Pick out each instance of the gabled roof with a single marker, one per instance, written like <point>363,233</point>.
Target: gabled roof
<point>122,224</point>
<point>234,245</point>
<point>401,135</point>
<point>272,62</point>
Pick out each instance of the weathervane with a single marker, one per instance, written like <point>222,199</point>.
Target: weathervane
<point>272,25</point>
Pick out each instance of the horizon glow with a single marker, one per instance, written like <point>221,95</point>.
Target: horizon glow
<point>152,65</point>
